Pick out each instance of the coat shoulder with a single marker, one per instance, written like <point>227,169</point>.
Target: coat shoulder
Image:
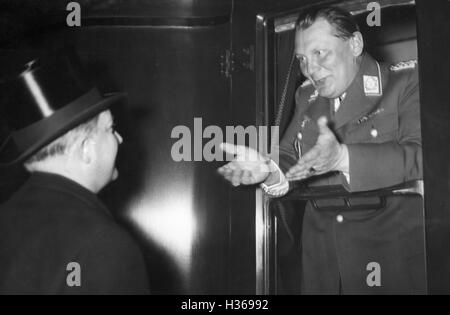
<point>405,69</point>
<point>404,74</point>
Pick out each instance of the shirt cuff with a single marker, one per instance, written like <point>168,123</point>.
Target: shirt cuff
<point>344,163</point>
<point>278,189</point>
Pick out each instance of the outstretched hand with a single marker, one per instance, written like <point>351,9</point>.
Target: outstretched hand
<point>247,168</point>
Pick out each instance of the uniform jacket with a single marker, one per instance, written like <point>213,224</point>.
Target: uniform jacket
<point>51,222</point>
<point>379,121</point>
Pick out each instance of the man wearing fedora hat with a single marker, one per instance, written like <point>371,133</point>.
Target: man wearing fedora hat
<point>56,236</point>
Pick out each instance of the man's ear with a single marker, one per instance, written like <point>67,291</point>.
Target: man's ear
<point>357,44</point>
<point>87,150</point>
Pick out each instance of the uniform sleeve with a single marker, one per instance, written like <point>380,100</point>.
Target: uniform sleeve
<point>380,165</point>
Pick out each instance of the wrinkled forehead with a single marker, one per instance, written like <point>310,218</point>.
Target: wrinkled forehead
<point>319,35</point>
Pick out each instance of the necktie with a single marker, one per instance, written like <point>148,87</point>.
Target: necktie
<point>337,104</point>
<point>338,101</point>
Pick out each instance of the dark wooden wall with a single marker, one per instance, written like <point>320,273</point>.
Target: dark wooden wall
<point>434,52</point>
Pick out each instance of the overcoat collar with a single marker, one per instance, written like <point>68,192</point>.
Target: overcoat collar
<point>67,186</point>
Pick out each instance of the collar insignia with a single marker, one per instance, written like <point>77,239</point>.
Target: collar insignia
<point>371,85</point>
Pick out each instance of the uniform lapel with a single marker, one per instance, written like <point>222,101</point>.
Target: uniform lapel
<point>320,107</point>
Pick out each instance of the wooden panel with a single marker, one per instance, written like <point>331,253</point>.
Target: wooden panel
<point>433,32</point>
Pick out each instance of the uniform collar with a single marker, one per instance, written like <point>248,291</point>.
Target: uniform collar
<point>364,92</point>
<point>66,185</point>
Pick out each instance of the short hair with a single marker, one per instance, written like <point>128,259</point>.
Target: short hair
<point>343,22</point>
<point>65,142</point>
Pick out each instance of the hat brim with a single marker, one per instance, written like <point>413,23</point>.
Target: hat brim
<point>11,156</point>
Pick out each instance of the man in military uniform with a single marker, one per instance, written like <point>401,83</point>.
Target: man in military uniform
<point>356,124</point>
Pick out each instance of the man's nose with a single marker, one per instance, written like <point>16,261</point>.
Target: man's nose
<point>312,67</point>
<point>119,137</point>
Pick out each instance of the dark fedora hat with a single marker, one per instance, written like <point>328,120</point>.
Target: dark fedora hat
<point>46,100</point>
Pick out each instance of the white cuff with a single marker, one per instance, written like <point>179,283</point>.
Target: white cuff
<point>279,189</point>
<point>347,177</point>
<point>344,163</point>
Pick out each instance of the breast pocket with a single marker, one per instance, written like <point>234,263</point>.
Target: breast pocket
<point>379,129</point>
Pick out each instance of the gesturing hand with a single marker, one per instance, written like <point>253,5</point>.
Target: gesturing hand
<point>248,167</point>
<point>325,156</point>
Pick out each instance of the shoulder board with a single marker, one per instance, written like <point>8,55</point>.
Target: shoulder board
<point>403,65</point>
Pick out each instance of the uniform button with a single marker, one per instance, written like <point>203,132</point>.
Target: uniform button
<point>340,218</point>
<point>374,133</point>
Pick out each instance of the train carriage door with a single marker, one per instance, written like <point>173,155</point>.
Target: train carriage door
<point>278,248</point>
